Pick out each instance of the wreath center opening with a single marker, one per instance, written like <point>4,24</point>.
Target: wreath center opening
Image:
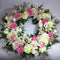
<point>29,27</point>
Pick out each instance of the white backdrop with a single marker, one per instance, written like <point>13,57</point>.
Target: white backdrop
<point>53,5</point>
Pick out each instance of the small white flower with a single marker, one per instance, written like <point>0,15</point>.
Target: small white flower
<point>14,19</point>
<point>40,24</point>
<point>6,17</point>
<point>6,31</point>
<point>55,31</point>
<point>35,52</point>
<point>20,30</point>
<point>43,49</point>
<point>34,45</point>
<point>45,35</point>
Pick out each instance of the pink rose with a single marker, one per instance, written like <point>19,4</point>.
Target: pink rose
<point>44,21</point>
<point>30,12</point>
<point>12,37</point>
<point>20,48</point>
<point>52,37</point>
<point>17,16</point>
<point>50,34</point>
<point>34,38</point>
<point>43,45</point>
<point>13,26</point>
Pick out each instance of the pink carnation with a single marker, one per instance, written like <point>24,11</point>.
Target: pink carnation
<point>13,26</point>
<point>17,16</point>
<point>30,12</point>
<point>52,37</point>
<point>20,49</point>
<point>34,38</point>
<point>44,21</point>
<point>43,45</point>
<point>12,37</point>
<point>50,34</point>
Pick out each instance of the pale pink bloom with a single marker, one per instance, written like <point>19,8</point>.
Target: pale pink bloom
<point>52,37</point>
<point>43,45</point>
<point>13,26</point>
<point>12,37</point>
<point>20,48</point>
<point>44,21</point>
<point>34,38</point>
<point>17,16</point>
<point>50,34</point>
<point>30,12</point>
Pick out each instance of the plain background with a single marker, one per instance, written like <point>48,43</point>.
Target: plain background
<point>52,5</point>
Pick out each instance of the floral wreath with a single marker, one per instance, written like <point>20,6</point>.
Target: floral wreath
<point>22,43</point>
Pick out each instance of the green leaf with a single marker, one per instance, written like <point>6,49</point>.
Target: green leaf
<point>2,29</point>
<point>55,36</point>
<point>19,21</point>
<point>2,25</point>
<point>4,20</point>
<point>45,53</point>
<point>57,22</point>
<point>21,56</point>
<point>35,21</point>
<point>31,35</point>
<point>55,41</point>
<point>40,6</point>
<point>9,47</point>
<point>37,32</point>
<point>47,11</point>
<point>49,45</point>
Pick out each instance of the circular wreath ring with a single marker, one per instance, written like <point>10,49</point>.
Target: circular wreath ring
<point>35,44</point>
